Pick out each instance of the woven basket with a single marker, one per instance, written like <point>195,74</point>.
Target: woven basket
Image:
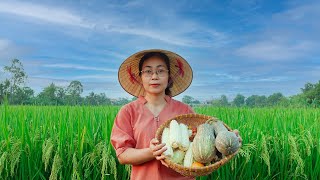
<point>193,120</point>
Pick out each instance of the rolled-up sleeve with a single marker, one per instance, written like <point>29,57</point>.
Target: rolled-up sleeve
<point>122,132</point>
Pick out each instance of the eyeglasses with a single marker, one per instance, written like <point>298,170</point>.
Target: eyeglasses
<point>159,72</point>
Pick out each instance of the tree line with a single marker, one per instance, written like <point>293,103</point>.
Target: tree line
<point>309,97</point>
<point>13,91</point>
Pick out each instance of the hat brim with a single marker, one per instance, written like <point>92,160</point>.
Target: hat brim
<point>180,73</point>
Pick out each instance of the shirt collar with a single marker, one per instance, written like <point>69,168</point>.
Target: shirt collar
<point>143,100</point>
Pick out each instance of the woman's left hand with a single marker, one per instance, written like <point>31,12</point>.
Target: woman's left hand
<point>157,150</point>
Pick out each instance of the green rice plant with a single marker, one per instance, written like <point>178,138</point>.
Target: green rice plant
<point>3,162</point>
<point>73,142</point>
<point>47,152</point>
<point>295,157</point>
<point>265,153</point>
<point>75,173</point>
<point>56,167</point>
<point>14,156</point>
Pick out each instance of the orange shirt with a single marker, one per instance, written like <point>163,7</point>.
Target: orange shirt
<point>135,126</point>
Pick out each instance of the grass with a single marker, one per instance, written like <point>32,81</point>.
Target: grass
<point>49,142</point>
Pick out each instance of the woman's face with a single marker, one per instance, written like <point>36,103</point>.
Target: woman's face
<point>155,83</point>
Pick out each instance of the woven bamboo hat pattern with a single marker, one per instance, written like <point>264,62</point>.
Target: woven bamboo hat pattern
<point>180,72</point>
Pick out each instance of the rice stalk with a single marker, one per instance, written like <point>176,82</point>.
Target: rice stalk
<point>56,167</point>
<point>307,145</point>
<point>295,157</point>
<point>47,152</point>
<point>113,164</point>
<point>89,160</point>
<point>15,156</point>
<point>128,168</point>
<point>3,162</point>
<point>75,173</point>
<point>246,151</point>
<point>310,138</point>
<point>265,153</point>
<point>86,165</point>
<point>97,132</point>
<point>104,159</point>
<point>82,139</point>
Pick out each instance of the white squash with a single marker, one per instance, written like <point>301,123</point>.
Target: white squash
<point>184,137</point>
<point>188,159</point>
<point>175,134</point>
<point>165,139</point>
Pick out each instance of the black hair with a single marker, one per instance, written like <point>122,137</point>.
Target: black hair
<point>165,58</point>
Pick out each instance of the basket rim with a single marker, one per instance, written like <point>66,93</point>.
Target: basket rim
<point>200,170</point>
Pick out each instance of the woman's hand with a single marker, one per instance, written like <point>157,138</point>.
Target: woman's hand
<point>236,131</point>
<point>157,150</point>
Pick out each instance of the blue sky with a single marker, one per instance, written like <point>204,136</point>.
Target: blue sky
<point>248,47</point>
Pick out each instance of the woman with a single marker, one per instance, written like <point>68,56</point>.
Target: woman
<point>154,76</point>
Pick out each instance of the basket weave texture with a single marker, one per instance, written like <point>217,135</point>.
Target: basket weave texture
<point>193,120</point>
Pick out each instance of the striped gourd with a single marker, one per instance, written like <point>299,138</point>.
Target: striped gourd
<point>227,142</point>
<point>203,148</point>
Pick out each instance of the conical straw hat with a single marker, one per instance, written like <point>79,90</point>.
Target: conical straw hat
<point>180,72</point>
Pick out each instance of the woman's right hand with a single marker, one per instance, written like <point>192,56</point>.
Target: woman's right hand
<point>157,150</point>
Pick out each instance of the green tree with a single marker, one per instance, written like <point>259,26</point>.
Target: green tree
<point>239,100</point>
<point>187,99</point>
<point>190,100</point>
<point>74,90</point>
<point>275,99</point>
<point>60,95</point>
<point>224,100</point>
<point>311,92</point>
<point>298,101</point>
<point>23,95</point>
<point>4,90</point>
<point>215,102</point>
<point>17,77</point>
<point>104,100</point>
<point>121,101</point>
<point>256,101</point>
<point>91,99</point>
<point>97,99</point>
<point>49,96</point>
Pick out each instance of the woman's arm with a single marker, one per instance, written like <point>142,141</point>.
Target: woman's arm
<point>135,156</point>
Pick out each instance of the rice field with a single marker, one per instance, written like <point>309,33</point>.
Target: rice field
<point>49,142</point>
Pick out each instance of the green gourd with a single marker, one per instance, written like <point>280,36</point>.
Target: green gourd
<point>218,126</point>
<point>227,142</point>
<point>203,146</point>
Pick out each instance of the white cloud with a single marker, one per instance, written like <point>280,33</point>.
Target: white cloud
<point>115,54</point>
<point>9,51</point>
<point>41,82</point>
<point>292,34</point>
<point>128,23</point>
<point>4,44</point>
<point>80,67</point>
<point>97,77</point>
<point>44,13</point>
<point>273,50</point>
